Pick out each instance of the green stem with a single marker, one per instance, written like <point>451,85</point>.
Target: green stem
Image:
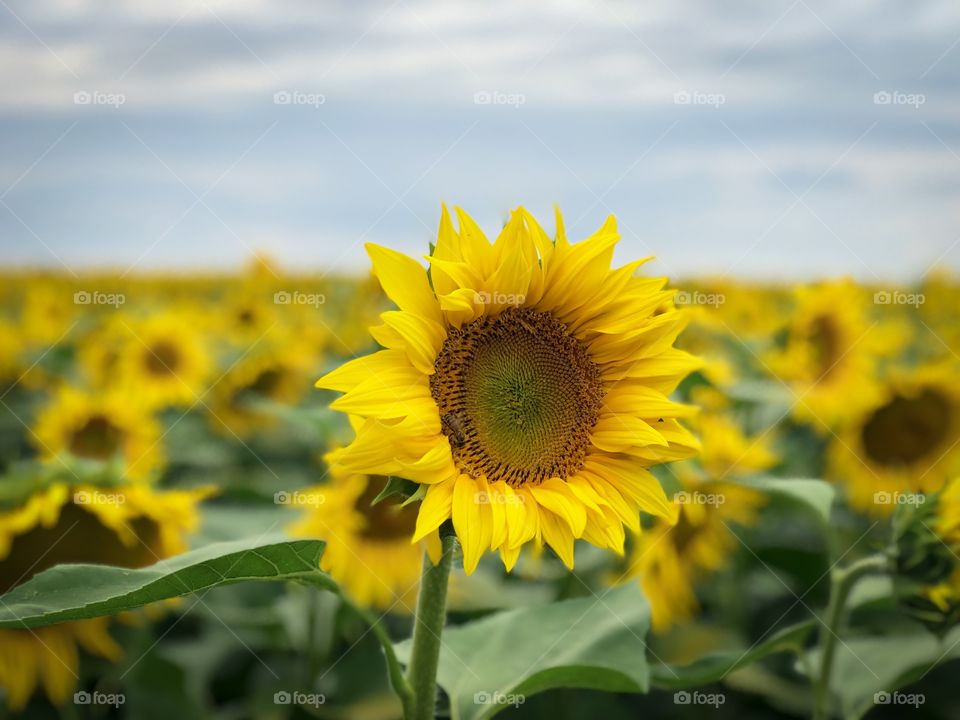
<point>842,581</point>
<point>428,626</point>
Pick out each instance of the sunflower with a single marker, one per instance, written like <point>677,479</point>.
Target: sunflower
<point>831,352</point>
<point>525,384</point>
<point>908,442</point>
<point>669,560</point>
<point>100,426</point>
<point>728,451</point>
<point>275,373</point>
<point>128,526</point>
<point>165,360</point>
<point>368,548</point>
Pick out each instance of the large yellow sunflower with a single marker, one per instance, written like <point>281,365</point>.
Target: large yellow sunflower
<point>830,357</point>
<point>368,548</point>
<point>101,426</point>
<point>907,442</point>
<point>129,526</point>
<point>525,383</point>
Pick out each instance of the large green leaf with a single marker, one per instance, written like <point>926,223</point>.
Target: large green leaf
<point>815,496</point>
<point>594,642</point>
<point>77,592</point>
<point>865,666</point>
<point>713,668</point>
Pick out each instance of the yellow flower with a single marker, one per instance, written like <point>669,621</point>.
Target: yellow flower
<point>525,383</point>
<point>368,549</point>
<point>100,426</point>
<point>669,560</point>
<point>164,360</point>
<point>728,452</point>
<point>128,526</point>
<point>907,442</point>
<point>830,357</point>
<point>274,373</point>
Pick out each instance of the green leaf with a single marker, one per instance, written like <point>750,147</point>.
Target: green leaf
<point>595,643</point>
<point>815,496</point>
<point>713,668</point>
<point>77,592</point>
<point>396,486</point>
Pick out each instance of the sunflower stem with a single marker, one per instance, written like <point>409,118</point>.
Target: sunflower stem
<point>428,626</point>
<point>842,581</point>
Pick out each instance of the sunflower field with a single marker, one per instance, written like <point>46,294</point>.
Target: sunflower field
<point>513,479</point>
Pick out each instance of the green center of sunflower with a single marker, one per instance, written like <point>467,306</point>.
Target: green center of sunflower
<point>162,358</point>
<point>907,429</point>
<point>386,520</point>
<point>518,397</point>
<point>96,439</point>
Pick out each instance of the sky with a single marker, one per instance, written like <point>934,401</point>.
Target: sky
<point>763,139</point>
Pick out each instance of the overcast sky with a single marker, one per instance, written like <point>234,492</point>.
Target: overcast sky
<point>764,139</point>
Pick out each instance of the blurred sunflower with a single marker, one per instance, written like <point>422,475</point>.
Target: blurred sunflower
<point>831,351</point>
<point>368,547</point>
<point>164,358</point>
<point>907,442</point>
<point>670,560</point>
<point>727,451</point>
<point>129,526</point>
<point>273,374</point>
<point>101,426</point>
<point>9,352</point>
<point>525,383</point>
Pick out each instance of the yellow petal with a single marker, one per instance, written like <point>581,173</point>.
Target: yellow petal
<point>404,281</point>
